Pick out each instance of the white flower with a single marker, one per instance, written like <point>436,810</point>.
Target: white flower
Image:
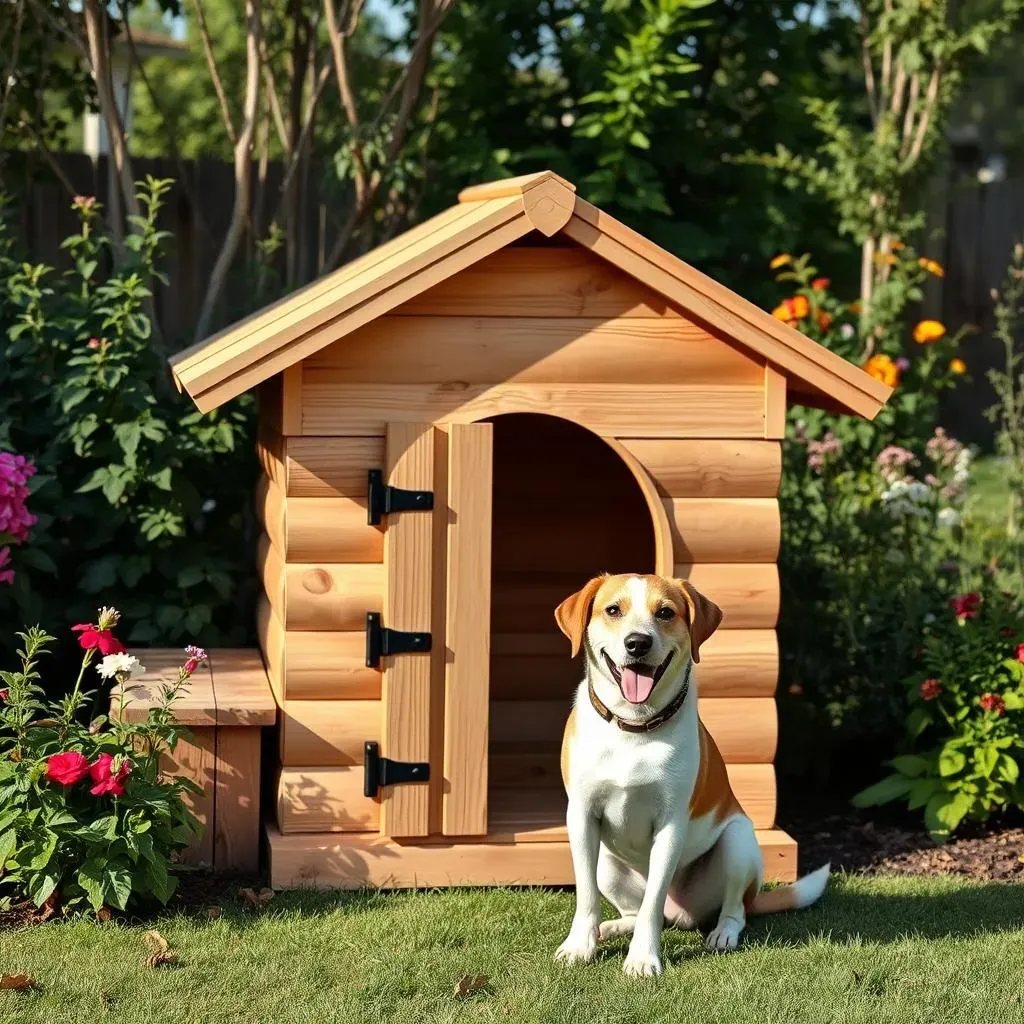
<point>209,505</point>
<point>120,666</point>
<point>948,517</point>
<point>929,619</point>
<point>847,330</point>
<point>918,491</point>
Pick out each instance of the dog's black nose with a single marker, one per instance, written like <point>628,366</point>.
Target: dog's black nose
<point>638,644</point>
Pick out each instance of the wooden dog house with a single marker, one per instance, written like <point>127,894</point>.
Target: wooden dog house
<point>457,430</point>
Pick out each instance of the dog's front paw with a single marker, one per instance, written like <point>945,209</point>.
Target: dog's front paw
<point>579,948</point>
<point>725,936</point>
<point>642,964</point>
<point>613,929</point>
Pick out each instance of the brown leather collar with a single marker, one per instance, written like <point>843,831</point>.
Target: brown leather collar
<point>652,723</point>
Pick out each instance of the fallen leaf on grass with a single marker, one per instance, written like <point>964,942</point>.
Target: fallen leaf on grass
<point>469,985</point>
<point>107,999</point>
<point>254,898</point>
<point>213,913</point>
<point>17,982</point>
<point>103,914</point>
<point>161,955</point>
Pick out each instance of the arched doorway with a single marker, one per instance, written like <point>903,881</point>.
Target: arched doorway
<point>566,506</point>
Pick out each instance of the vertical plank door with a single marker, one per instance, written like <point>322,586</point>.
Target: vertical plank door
<point>409,565</point>
<point>467,629</point>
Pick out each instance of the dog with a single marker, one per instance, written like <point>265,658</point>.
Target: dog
<point>653,823</point>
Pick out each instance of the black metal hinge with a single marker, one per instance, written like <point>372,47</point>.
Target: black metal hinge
<point>382,771</point>
<point>381,641</point>
<point>383,499</point>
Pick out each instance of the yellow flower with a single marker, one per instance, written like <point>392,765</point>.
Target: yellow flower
<point>782,260</point>
<point>958,366</point>
<point>896,245</point>
<point>928,331</point>
<point>885,257</point>
<point>792,309</point>
<point>882,368</point>
<point>931,266</point>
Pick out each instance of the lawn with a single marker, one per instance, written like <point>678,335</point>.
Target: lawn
<point>899,949</point>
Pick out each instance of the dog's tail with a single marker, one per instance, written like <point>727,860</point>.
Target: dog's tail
<point>799,894</point>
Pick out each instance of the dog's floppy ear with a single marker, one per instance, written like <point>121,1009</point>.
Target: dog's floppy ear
<point>573,613</point>
<point>705,617</point>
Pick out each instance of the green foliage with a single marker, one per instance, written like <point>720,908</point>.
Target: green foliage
<point>136,492</point>
<point>964,734</point>
<point>85,816</point>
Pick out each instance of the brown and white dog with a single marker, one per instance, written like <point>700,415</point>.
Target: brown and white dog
<point>652,821</point>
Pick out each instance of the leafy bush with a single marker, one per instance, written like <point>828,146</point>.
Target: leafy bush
<point>135,490</point>
<point>964,739</point>
<point>85,816</point>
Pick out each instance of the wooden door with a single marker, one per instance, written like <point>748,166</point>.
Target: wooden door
<point>467,682</point>
<point>411,566</point>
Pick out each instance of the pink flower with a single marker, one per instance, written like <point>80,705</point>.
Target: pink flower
<point>91,636</point>
<point>195,652</point>
<point>93,343</point>
<point>893,460</point>
<point>1020,652</point>
<point>190,666</point>
<point>6,572</point>
<point>68,768</point>
<point>965,606</point>
<point>15,518</point>
<point>930,689</point>
<point>903,363</point>
<point>107,780</point>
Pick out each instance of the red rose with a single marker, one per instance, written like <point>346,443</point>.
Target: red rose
<point>92,636</point>
<point>190,666</point>
<point>965,606</point>
<point>930,689</point>
<point>3,695</point>
<point>992,702</point>
<point>108,781</point>
<point>1020,652</point>
<point>68,768</point>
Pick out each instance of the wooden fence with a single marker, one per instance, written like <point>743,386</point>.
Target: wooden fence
<point>197,212</point>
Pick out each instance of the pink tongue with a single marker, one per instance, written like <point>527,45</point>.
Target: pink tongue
<point>636,686</point>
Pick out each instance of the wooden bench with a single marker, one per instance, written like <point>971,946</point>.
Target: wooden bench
<point>227,702</point>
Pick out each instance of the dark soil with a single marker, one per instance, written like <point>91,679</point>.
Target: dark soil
<point>854,842</point>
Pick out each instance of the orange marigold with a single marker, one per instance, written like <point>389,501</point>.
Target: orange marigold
<point>931,266</point>
<point>824,320</point>
<point>928,331</point>
<point>782,260</point>
<point>885,257</point>
<point>882,368</point>
<point>792,309</point>
<point>958,366</point>
<point>855,308</point>
<point>820,284</point>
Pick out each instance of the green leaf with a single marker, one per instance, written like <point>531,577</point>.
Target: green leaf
<point>917,721</point>
<point>42,858</point>
<point>41,886</point>
<point>90,878</point>
<point>127,435</point>
<point>944,812</point>
<point>921,792</point>
<point>162,479</point>
<point>1013,699</point>
<point>951,761</point>
<point>985,759</point>
<point>639,140</point>
<point>910,764</point>
<point>158,880</point>
<point>8,841</point>
<point>117,885</point>
<point>890,788</point>
<point>1008,769</point>
<point>190,575</point>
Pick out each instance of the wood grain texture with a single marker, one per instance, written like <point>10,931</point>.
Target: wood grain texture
<point>327,666</point>
<point>291,400</point>
<point>349,861</point>
<point>725,529</point>
<point>197,705</point>
<point>325,800</point>
<point>194,757</point>
<point>748,594</point>
<point>610,410</point>
<point>321,529</point>
<point>564,281</point>
<point>406,683</point>
<point>330,467</point>
<point>467,629</point>
<point>241,688</point>
<point>710,468</point>
<point>774,403</point>
<point>332,733</point>
<point>236,831</point>
<point>525,349</point>
<point>733,663</point>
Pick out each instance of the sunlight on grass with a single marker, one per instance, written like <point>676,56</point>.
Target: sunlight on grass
<point>873,950</point>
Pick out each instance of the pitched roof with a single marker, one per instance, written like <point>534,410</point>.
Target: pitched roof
<point>487,218</point>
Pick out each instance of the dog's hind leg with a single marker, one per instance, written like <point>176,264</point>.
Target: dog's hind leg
<point>738,866</point>
<point>623,887</point>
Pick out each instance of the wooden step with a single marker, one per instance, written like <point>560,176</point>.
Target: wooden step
<point>353,861</point>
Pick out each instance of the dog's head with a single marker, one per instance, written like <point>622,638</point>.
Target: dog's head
<point>639,631</point>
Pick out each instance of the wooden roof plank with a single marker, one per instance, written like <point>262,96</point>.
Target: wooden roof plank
<point>511,186</point>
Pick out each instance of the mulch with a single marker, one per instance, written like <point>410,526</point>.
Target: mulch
<point>853,842</point>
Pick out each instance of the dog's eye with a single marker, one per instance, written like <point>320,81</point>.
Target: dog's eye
<point>613,611</point>
<point>666,614</point>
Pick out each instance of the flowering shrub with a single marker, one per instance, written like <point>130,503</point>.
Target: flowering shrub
<point>964,740</point>
<point>136,492</point>
<point>85,816</point>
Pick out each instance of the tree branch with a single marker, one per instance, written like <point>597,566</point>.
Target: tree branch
<point>211,63</point>
<point>339,44</point>
<point>243,153</point>
<point>926,115</point>
<point>869,69</point>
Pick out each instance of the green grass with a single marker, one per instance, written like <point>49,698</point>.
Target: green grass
<point>873,950</point>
